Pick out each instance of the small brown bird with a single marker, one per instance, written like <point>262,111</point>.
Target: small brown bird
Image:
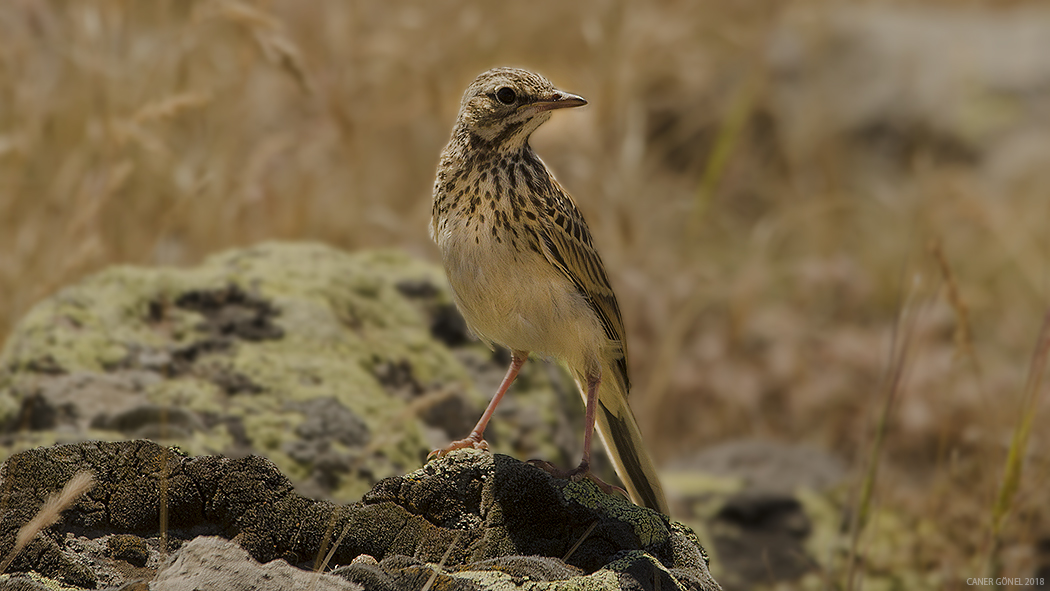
<point>524,271</point>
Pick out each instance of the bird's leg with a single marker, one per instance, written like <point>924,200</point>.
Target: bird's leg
<point>584,469</point>
<point>588,428</point>
<point>476,439</point>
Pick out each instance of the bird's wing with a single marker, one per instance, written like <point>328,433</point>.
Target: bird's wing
<point>568,247</point>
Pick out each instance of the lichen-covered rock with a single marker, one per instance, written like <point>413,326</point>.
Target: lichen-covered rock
<point>767,509</point>
<point>471,520</point>
<point>342,369</point>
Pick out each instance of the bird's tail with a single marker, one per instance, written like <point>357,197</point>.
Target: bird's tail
<point>619,432</point>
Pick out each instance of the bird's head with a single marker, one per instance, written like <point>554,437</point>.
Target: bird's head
<point>503,106</point>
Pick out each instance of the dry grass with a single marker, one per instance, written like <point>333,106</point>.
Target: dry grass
<point>78,485</point>
<point>759,286</point>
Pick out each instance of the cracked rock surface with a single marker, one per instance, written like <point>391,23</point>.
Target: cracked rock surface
<point>471,520</point>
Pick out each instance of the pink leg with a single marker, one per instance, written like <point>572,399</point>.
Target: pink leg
<point>476,439</point>
<point>584,469</point>
<point>588,425</point>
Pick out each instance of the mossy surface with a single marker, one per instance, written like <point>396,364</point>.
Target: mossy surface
<point>227,357</point>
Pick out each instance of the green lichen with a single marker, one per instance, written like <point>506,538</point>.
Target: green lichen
<point>648,525</point>
<point>342,316</point>
<point>12,582</point>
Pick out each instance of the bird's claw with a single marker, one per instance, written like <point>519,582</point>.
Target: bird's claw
<point>470,442</point>
<point>577,474</point>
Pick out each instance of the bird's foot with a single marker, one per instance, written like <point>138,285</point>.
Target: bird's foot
<point>472,441</point>
<point>581,472</point>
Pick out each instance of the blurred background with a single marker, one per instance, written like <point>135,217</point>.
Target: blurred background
<point>824,220</point>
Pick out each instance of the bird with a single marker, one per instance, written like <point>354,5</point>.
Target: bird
<point>524,271</point>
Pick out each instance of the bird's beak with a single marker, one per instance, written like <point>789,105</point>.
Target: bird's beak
<point>557,100</point>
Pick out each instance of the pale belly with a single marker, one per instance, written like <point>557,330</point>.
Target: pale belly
<point>516,299</point>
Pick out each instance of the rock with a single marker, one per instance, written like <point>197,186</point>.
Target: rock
<point>471,520</point>
<point>23,582</point>
<point>961,86</point>
<point>760,504</point>
<point>131,549</point>
<point>767,466</point>
<point>342,369</point>
<point>214,563</point>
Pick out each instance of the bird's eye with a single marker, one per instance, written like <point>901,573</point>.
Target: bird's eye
<point>506,95</point>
